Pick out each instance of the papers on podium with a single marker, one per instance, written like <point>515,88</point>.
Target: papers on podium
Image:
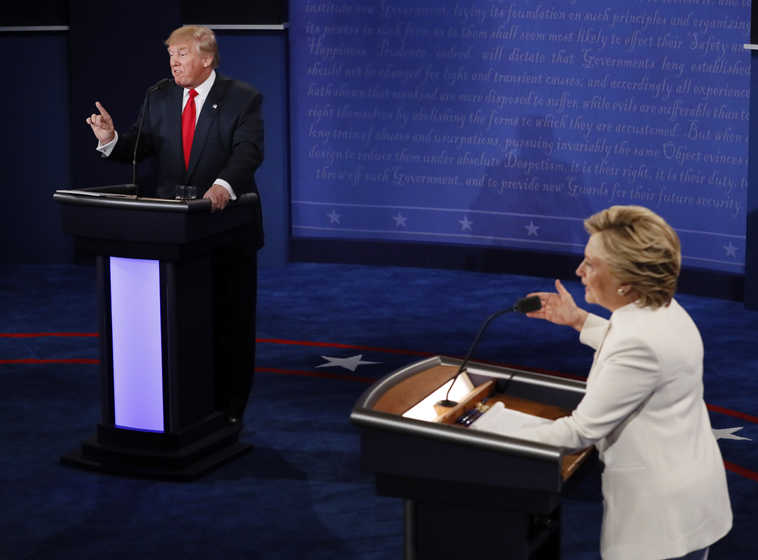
<point>507,422</point>
<point>424,410</point>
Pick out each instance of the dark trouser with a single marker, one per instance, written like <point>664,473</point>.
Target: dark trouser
<point>235,286</point>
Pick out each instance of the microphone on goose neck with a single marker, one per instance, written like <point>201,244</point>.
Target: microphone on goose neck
<point>152,89</point>
<point>524,305</point>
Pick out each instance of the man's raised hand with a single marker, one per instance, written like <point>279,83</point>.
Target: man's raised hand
<point>101,124</point>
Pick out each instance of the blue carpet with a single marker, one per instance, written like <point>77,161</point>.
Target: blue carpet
<point>300,492</point>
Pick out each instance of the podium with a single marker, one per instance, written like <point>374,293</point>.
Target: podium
<point>155,312</point>
<point>468,493</point>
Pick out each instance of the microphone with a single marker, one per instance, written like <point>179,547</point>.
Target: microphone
<point>152,89</point>
<point>524,305</point>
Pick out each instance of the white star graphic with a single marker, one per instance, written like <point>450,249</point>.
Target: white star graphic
<point>731,250</point>
<point>531,229</point>
<point>465,223</point>
<point>400,220</point>
<point>728,433</point>
<point>350,363</point>
<point>334,218</point>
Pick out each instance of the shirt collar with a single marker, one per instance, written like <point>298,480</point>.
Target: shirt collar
<point>204,88</point>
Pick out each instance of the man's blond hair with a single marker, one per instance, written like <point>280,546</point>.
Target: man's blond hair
<point>204,39</point>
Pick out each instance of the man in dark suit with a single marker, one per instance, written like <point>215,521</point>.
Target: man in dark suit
<point>205,130</point>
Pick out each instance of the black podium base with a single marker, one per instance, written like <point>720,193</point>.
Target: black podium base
<point>185,456</point>
<point>449,519</point>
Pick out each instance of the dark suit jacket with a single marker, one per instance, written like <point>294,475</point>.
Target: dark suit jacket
<point>228,141</point>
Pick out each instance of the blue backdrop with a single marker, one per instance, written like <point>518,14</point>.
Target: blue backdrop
<point>506,123</point>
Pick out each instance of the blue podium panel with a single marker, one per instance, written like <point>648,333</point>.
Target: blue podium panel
<point>137,353</point>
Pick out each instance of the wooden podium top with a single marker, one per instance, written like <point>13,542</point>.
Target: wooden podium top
<point>405,394</point>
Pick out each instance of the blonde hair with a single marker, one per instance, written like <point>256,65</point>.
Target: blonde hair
<point>642,251</point>
<point>204,39</point>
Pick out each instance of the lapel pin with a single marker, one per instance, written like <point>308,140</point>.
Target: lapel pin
<point>215,106</point>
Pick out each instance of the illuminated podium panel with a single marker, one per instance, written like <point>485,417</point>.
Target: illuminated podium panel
<point>154,285</point>
<point>468,492</point>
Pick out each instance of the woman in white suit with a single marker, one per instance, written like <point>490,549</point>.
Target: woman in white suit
<point>664,484</point>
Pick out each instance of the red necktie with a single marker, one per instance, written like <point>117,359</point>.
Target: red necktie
<point>188,126</point>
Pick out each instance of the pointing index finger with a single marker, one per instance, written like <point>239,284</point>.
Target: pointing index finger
<point>102,110</point>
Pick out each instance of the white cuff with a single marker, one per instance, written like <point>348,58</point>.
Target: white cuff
<point>593,331</point>
<point>106,149</point>
<point>227,186</point>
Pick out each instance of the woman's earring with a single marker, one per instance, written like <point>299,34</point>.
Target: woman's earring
<point>621,291</point>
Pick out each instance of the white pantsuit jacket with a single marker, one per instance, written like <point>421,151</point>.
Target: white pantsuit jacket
<point>664,484</point>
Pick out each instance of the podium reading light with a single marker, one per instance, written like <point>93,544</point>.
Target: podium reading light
<point>524,305</point>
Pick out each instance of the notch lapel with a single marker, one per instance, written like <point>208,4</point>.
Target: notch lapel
<point>208,116</point>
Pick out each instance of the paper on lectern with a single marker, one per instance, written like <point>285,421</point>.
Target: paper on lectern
<point>507,422</point>
<point>424,410</point>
